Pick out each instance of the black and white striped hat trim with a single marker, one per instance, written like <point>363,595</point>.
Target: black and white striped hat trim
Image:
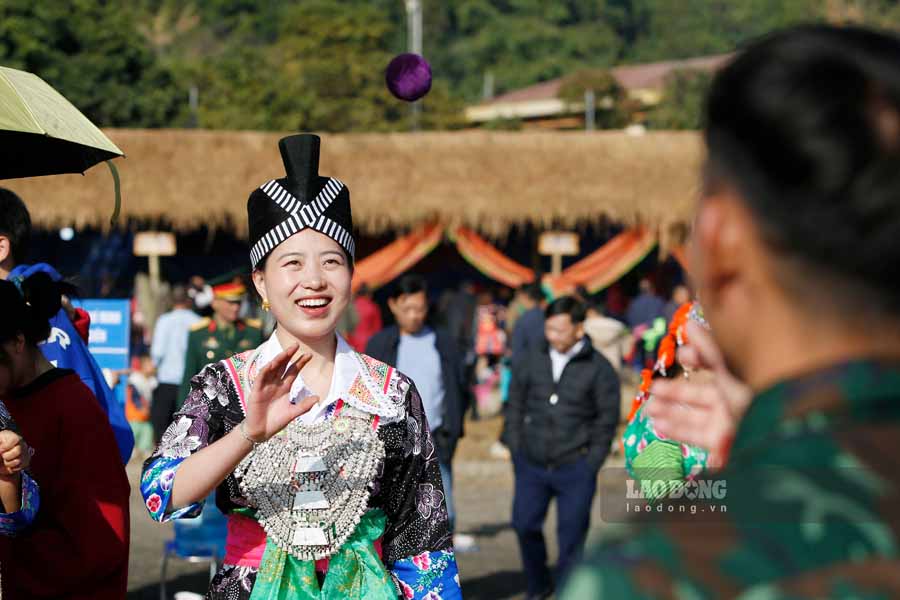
<point>291,204</point>
<point>302,216</point>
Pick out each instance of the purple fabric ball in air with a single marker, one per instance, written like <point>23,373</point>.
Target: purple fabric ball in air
<point>408,76</point>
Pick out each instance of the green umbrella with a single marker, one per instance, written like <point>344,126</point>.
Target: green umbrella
<point>42,133</point>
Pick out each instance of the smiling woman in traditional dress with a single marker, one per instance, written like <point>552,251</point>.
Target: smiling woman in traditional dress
<point>320,456</point>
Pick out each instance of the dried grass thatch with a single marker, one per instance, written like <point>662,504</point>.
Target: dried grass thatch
<point>489,181</point>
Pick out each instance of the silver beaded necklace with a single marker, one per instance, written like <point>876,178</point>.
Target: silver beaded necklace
<point>310,483</point>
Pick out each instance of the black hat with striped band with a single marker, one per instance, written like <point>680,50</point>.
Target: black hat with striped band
<point>279,208</point>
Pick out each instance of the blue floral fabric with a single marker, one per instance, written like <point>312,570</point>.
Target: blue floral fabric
<point>428,576</point>
<point>12,523</point>
<point>156,489</point>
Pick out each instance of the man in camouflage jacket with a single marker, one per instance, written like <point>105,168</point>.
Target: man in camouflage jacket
<point>796,259</point>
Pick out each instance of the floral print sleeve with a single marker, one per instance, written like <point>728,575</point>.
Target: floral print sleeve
<point>428,576</point>
<point>12,523</point>
<point>418,548</point>
<point>195,426</point>
<point>6,420</point>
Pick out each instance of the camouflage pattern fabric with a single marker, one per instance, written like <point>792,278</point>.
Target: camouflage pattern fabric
<point>813,505</point>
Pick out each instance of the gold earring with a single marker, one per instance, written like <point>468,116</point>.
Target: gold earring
<point>265,305</point>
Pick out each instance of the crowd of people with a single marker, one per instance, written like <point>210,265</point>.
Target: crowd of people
<point>328,439</point>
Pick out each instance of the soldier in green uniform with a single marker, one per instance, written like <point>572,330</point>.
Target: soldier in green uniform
<point>219,337</point>
<point>796,259</point>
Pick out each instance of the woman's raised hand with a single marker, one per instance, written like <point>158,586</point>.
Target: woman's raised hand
<point>269,409</point>
<point>15,455</point>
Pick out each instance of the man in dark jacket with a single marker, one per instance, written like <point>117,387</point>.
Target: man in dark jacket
<point>431,358</point>
<point>561,417</point>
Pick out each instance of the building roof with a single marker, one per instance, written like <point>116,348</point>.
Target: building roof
<point>490,181</point>
<point>644,81</point>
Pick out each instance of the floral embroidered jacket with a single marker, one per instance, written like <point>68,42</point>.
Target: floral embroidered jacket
<point>416,547</point>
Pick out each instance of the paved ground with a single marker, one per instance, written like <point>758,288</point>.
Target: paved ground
<point>483,496</point>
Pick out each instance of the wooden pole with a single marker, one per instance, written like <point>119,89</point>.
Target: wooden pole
<point>590,110</point>
<point>414,42</point>
<point>557,265</point>
<point>155,290</point>
<point>153,259</point>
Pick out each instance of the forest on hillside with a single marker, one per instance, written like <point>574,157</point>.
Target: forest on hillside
<point>319,64</point>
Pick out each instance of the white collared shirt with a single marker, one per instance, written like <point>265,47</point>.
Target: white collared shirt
<point>346,368</point>
<point>559,360</point>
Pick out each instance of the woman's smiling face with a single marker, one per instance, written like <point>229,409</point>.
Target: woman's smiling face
<point>306,280</point>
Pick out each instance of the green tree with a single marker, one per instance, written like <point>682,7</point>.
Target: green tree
<point>319,64</point>
<point>324,72</point>
<point>668,29</point>
<point>682,101</point>
<point>93,54</point>
<point>520,42</point>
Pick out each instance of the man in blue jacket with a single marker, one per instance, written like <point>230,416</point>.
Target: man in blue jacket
<point>64,348</point>
<point>431,358</point>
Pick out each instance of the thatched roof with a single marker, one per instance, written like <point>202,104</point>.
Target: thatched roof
<point>489,181</point>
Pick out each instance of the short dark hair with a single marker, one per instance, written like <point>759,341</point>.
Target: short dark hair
<point>180,294</point>
<point>805,125</point>
<point>533,291</point>
<point>409,284</point>
<point>27,305</point>
<point>15,223</point>
<point>567,305</point>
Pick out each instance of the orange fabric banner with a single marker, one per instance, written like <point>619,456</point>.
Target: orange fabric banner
<point>596,271</point>
<point>490,261</point>
<point>606,265</point>
<point>397,257</point>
